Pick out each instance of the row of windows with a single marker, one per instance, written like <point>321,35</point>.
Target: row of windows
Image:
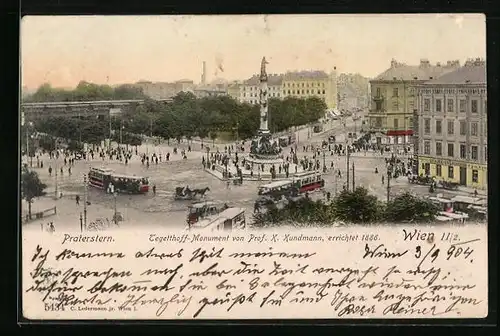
<point>474,150</point>
<point>452,91</point>
<point>474,129</point>
<point>451,172</point>
<point>290,92</point>
<point>305,92</point>
<point>304,85</point>
<point>256,101</point>
<point>251,94</point>
<point>462,105</point>
<point>256,88</point>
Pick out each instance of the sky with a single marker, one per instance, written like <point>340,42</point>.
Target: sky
<point>64,50</point>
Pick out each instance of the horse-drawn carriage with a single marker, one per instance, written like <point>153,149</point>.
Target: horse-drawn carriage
<point>420,179</point>
<point>447,185</point>
<point>186,194</point>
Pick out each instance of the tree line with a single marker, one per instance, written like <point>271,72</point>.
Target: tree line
<point>186,116</point>
<point>356,206</point>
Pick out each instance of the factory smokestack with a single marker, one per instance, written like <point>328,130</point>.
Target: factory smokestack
<point>204,74</point>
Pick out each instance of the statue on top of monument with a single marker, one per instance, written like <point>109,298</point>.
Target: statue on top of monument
<point>263,74</point>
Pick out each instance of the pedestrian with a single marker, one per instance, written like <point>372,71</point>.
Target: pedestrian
<point>77,198</point>
<point>154,189</point>
<point>62,172</point>
<point>475,192</point>
<point>50,171</point>
<point>52,228</point>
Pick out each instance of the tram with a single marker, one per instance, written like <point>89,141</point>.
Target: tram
<point>102,178</point>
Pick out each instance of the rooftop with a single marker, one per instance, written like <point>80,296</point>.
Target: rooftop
<point>272,79</point>
<point>422,72</point>
<point>294,75</point>
<point>473,72</point>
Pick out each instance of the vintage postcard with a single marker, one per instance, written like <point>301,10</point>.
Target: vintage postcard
<point>254,167</point>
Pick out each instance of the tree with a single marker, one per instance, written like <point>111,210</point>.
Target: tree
<point>31,187</point>
<point>357,206</point>
<point>409,208</point>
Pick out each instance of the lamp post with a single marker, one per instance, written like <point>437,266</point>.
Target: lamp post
<point>28,152</point>
<point>353,179</point>
<point>347,170</point>
<point>324,161</point>
<point>209,166</point>
<point>115,216</point>
<point>85,196</point>
<point>81,222</point>
<point>55,169</point>
<point>121,129</point>
<point>389,171</point>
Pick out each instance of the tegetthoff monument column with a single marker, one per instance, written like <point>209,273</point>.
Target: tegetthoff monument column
<point>263,96</point>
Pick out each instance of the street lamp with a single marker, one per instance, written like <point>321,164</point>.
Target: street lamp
<point>324,162</point>
<point>208,157</point>
<point>55,168</point>
<point>389,174</point>
<point>28,154</point>
<point>85,201</point>
<point>115,216</point>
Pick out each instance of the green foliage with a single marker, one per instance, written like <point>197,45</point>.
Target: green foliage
<point>186,116</point>
<point>409,208</point>
<point>85,91</point>
<point>31,187</point>
<point>303,211</point>
<point>357,206</point>
<point>351,207</point>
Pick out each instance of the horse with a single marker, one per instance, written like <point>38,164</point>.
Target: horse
<point>200,192</point>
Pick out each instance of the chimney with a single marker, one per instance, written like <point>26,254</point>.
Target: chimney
<point>204,73</point>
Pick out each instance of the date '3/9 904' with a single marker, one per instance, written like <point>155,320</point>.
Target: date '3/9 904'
<point>455,251</point>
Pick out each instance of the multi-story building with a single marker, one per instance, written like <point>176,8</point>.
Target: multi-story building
<point>233,90</point>
<point>163,90</point>
<point>209,92</point>
<point>453,126</point>
<point>249,89</point>
<point>303,84</point>
<point>392,108</point>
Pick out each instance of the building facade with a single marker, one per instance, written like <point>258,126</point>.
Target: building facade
<point>164,90</point>
<point>249,89</point>
<point>304,84</point>
<point>392,103</point>
<point>452,135</point>
<point>233,90</point>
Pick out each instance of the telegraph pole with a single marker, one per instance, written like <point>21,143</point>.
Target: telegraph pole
<point>85,201</point>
